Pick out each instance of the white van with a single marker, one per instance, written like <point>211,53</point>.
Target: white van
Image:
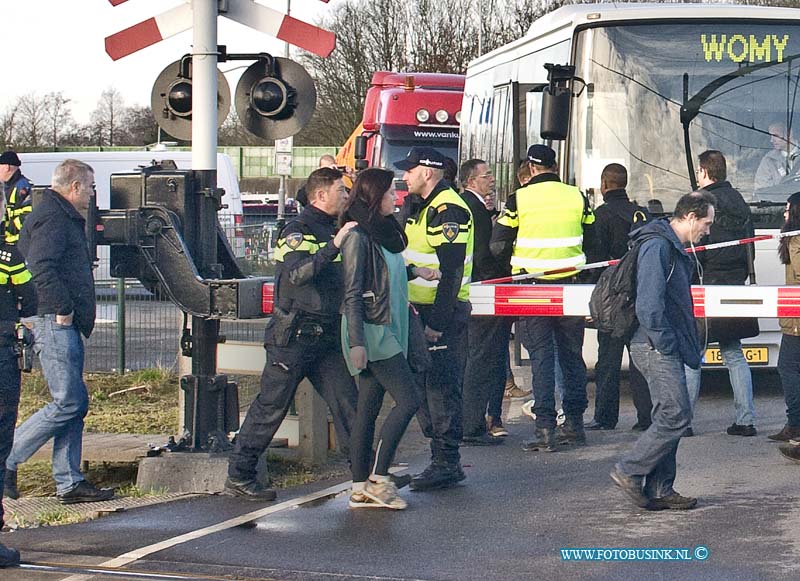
<point>38,168</point>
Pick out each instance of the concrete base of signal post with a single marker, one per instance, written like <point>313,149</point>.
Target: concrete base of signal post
<point>199,472</point>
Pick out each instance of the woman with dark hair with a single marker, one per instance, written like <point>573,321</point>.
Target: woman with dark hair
<point>375,333</point>
<point>789,355</point>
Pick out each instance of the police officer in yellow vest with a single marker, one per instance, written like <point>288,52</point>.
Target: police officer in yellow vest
<point>438,224</point>
<point>541,229</point>
<point>16,196</point>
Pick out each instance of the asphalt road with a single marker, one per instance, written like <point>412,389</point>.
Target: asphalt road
<point>508,520</point>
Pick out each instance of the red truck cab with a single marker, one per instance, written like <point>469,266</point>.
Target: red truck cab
<point>402,110</point>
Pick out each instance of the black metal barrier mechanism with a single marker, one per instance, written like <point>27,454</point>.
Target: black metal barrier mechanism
<point>162,228</point>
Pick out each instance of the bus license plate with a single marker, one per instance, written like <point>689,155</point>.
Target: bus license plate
<point>753,355</point>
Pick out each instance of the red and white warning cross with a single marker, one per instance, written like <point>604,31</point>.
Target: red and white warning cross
<point>282,26</point>
<point>550,300</point>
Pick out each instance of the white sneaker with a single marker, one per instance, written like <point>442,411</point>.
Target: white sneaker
<point>560,418</point>
<point>527,409</point>
<point>360,500</point>
<point>385,494</point>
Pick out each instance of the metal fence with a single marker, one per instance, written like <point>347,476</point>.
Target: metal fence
<point>137,329</point>
<point>251,162</point>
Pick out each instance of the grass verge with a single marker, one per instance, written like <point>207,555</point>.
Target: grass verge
<point>141,402</point>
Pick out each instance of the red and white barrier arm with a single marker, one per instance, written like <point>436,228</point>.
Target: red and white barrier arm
<point>550,300</point>
<point>247,12</point>
<point>593,265</point>
<point>149,32</point>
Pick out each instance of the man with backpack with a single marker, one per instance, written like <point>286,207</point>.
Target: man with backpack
<point>664,344</point>
<point>614,220</point>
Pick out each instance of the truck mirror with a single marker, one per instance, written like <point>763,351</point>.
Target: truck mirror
<point>360,149</point>
<point>555,112</point>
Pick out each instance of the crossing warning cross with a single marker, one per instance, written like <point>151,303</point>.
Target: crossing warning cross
<point>282,26</point>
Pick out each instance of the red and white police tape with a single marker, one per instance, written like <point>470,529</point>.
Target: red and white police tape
<point>740,242</point>
<point>550,300</point>
<point>491,297</point>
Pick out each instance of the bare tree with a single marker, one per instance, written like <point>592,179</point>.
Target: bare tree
<point>7,126</point>
<point>58,115</point>
<point>31,121</point>
<point>137,127</point>
<point>106,117</point>
<point>371,36</point>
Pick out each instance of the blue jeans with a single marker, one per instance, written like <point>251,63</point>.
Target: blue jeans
<point>543,337</point>
<point>789,370</point>
<point>60,350</point>
<point>653,455</point>
<point>741,382</point>
<point>9,402</point>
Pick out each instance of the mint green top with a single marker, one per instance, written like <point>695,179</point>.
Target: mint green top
<point>385,341</point>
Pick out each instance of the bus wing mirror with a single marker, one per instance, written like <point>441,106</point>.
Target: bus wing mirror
<point>556,103</point>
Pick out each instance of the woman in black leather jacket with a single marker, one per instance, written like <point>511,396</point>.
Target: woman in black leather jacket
<point>375,333</point>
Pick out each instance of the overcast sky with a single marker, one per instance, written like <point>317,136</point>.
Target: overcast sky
<point>58,45</point>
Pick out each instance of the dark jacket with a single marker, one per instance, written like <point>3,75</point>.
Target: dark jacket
<point>366,284</point>
<point>23,186</point>
<point>53,241</point>
<point>614,221</point>
<point>484,265</point>
<point>664,305</point>
<point>308,273</point>
<point>732,221</point>
<point>17,292</point>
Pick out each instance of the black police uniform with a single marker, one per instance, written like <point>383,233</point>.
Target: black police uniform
<point>17,192</point>
<point>440,415</point>
<point>17,298</point>
<point>302,339</point>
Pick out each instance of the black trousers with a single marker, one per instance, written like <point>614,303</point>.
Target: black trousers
<point>541,336</point>
<point>9,404</point>
<point>439,414</point>
<point>607,371</point>
<point>395,376</point>
<point>322,362</point>
<point>485,375</point>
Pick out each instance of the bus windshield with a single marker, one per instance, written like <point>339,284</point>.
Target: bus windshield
<point>733,83</point>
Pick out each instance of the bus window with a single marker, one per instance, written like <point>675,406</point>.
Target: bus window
<point>741,78</point>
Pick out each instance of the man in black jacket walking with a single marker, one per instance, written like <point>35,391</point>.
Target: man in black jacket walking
<point>485,375</point>
<point>53,241</point>
<point>303,336</point>
<point>614,221</point>
<point>727,266</point>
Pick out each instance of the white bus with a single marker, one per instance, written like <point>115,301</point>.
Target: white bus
<point>653,86</point>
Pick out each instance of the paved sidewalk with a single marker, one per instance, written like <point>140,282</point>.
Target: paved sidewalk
<point>102,447</point>
<point>105,447</point>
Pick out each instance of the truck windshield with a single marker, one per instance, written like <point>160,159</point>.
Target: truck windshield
<point>395,151</point>
<point>739,80</point>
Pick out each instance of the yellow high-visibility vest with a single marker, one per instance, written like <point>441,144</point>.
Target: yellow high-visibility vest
<point>14,218</point>
<point>549,219</point>
<point>429,231</point>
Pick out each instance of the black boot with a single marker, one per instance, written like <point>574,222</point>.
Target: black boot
<point>572,432</point>
<point>545,441</point>
<point>8,557</point>
<point>249,489</point>
<point>439,474</point>
<point>10,485</point>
